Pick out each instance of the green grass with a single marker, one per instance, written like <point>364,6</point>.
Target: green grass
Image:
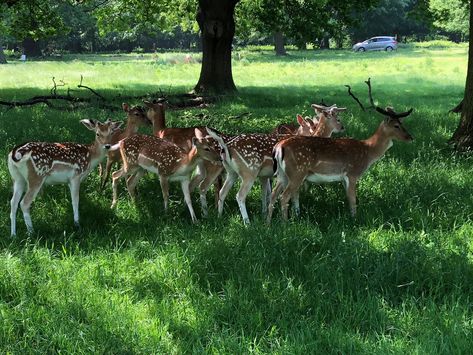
<point>398,279</point>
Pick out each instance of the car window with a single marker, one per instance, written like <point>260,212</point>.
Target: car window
<point>372,40</point>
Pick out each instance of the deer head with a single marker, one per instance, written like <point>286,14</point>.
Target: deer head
<point>136,115</point>
<point>328,117</point>
<point>103,131</point>
<point>392,124</point>
<point>203,147</point>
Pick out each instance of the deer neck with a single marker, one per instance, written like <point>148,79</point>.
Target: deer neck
<point>130,130</point>
<point>159,123</point>
<point>97,154</point>
<point>191,159</point>
<point>323,129</point>
<point>378,143</point>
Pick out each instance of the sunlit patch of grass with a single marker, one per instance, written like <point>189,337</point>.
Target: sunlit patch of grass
<point>138,279</point>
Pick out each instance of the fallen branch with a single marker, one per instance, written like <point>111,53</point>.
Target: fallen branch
<point>91,90</point>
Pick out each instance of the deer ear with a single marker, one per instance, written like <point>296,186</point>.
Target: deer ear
<point>198,134</point>
<point>340,109</point>
<point>300,120</point>
<point>90,124</point>
<point>125,107</point>
<point>195,141</point>
<point>147,104</point>
<point>116,125</point>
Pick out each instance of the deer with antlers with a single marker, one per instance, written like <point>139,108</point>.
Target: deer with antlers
<point>35,164</point>
<point>141,153</point>
<point>249,157</point>
<point>136,117</point>
<point>328,160</point>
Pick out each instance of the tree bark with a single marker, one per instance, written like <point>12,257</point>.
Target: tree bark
<point>279,43</point>
<point>31,48</point>
<point>325,42</point>
<point>3,59</point>
<point>217,27</point>
<point>463,136</point>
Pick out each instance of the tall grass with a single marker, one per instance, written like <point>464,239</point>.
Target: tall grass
<point>396,279</point>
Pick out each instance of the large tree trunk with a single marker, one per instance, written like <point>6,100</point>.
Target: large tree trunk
<point>3,59</point>
<point>217,28</point>
<point>463,136</point>
<point>279,43</point>
<point>31,48</point>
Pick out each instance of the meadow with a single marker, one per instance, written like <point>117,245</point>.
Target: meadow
<point>397,279</point>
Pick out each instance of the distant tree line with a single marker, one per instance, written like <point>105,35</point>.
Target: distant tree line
<point>45,27</point>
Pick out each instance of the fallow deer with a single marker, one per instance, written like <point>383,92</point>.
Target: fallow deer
<point>249,157</point>
<point>208,172</point>
<point>303,127</point>
<point>328,160</point>
<point>35,164</point>
<point>136,117</point>
<point>141,153</point>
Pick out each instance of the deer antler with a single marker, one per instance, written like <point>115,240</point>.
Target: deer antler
<point>389,111</point>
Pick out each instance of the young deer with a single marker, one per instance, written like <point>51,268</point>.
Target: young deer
<point>208,172</point>
<point>249,157</point>
<point>303,127</point>
<point>136,117</point>
<point>170,162</point>
<point>328,160</point>
<point>35,164</point>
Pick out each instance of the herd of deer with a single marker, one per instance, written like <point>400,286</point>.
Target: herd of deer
<point>294,153</point>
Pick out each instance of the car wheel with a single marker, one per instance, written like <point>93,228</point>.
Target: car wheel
<point>389,49</point>
<point>361,49</point>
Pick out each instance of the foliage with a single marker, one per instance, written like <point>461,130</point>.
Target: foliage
<point>389,17</point>
<point>398,279</point>
<point>451,16</point>
<point>33,19</point>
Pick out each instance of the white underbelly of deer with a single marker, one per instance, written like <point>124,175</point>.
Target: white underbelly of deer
<point>321,178</point>
<point>62,173</point>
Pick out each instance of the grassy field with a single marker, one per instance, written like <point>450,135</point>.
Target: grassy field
<point>398,279</point>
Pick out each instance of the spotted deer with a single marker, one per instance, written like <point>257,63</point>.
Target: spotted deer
<point>328,160</point>
<point>35,164</point>
<point>303,127</point>
<point>249,157</point>
<point>208,172</point>
<point>136,117</point>
<point>141,153</point>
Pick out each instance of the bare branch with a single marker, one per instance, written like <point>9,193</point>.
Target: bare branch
<point>354,97</point>
<point>88,88</point>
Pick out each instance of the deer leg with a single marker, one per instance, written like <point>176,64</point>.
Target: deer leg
<point>274,196</point>
<point>25,204</point>
<point>295,203</point>
<point>18,189</point>
<point>198,177</point>
<point>106,174</point>
<point>227,185</point>
<point>218,186</point>
<point>187,198</point>
<point>288,193</point>
<point>350,187</point>
<point>241,198</point>
<point>132,181</point>
<point>74,186</point>
<point>265,194</point>
<point>117,175</point>
<point>165,190</point>
<point>204,186</point>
